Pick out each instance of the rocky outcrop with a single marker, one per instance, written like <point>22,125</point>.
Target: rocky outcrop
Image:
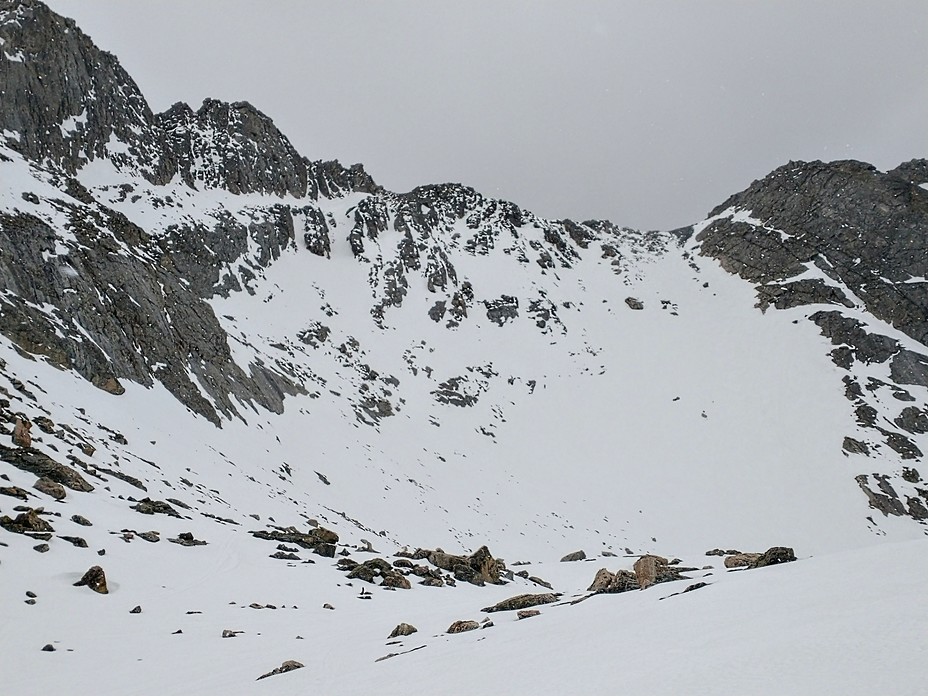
<point>320,540</point>
<point>43,466</point>
<point>147,506</point>
<point>846,235</point>
<point>28,522</point>
<point>68,101</point>
<point>377,568</point>
<point>811,215</point>
<point>606,582</point>
<point>233,147</point>
<point>186,539</point>
<point>478,568</point>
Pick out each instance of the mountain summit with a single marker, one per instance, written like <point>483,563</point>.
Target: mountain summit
<point>325,394</point>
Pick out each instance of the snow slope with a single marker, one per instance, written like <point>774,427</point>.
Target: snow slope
<point>461,373</point>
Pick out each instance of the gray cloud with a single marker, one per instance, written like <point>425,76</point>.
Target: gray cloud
<point>648,114</point>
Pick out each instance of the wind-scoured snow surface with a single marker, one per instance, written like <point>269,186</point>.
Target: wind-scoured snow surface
<point>434,369</point>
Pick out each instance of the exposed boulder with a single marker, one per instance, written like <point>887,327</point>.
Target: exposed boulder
<point>147,506</point>
<point>319,539</point>
<point>187,539</point>
<point>403,629</point>
<point>285,556</point>
<point>14,492</point>
<point>50,488</point>
<point>647,569</point>
<point>574,556</point>
<point>396,581</point>
<point>538,581</point>
<point>606,582</point>
<point>27,522</point>
<point>478,568</point>
<point>462,626</point>
<point>527,613</point>
<point>741,560</point>
<point>774,556</point>
<point>523,601</point>
<point>375,568</point>
<point>95,579</point>
<point>634,303</point>
<point>855,446</point>
<point>286,666</point>
<point>77,541</point>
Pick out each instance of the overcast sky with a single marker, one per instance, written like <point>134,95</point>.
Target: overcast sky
<point>645,113</point>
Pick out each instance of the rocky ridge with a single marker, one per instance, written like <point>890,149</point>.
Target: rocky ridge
<point>851,242</point>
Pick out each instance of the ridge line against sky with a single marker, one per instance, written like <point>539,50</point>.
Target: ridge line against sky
<point>648,114</point>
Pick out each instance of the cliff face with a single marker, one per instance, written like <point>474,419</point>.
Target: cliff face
<point>863,230</point>
<point>850,242</point>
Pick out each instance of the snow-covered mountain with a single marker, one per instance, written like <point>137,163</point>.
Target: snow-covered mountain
<point>207,337</point>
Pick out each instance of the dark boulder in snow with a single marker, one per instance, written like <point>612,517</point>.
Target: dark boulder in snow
<point>27,522</point>
<point>95,579</point>
<point>774,556</point>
